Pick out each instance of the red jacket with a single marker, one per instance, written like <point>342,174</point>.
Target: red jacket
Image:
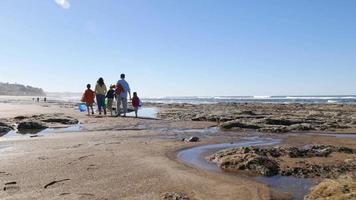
<point>88,96</point>
<point>135,102</point>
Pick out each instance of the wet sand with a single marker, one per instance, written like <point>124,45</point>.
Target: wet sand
<point>118,158</point>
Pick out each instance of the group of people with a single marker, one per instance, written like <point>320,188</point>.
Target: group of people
<point>105,98</point>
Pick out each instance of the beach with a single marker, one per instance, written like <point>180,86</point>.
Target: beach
<point>128,158</point>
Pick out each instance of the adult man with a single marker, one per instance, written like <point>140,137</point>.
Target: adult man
<point>122,96</point>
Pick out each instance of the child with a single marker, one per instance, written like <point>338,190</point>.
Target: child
<point>135,102</point>
<point>110,96</point>
<point>88,98</point>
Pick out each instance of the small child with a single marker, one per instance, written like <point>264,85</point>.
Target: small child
<point>110,96</point>
<point>135,102</point>
<point>88,99</point>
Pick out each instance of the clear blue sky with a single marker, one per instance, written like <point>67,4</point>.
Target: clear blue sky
<point>182,47</point>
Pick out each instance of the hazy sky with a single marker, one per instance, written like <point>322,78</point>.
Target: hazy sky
<point>182,47</point>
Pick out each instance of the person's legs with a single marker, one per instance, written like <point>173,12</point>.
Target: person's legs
<point>103,101</point>
<point>124,105</point>
<point>136,109</point>
<point>98,101</point>
<point>118,106</point>
<point>92,109</point>
<point>110,105</point>
<point>88,109</point>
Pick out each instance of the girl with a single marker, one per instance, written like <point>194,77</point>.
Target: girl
<point>135,102</point>
<point>88,99</point>
<point>100,90</point>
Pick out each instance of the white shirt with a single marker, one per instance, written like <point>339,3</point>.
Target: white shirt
<point>126,87</point>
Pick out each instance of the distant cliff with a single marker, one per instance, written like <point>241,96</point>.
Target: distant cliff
<point>20,90</point>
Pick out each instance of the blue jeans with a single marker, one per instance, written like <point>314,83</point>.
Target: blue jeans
<point>100,100</point>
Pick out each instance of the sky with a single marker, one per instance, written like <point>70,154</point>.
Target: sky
<point>182,47</point>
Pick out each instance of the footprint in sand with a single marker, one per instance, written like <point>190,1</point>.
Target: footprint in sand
<point>80,158</point>
<point>92,167</point>
<point>11,187</point>
<point>55,182</point>
<point>5,174</point>
<point>75,146</point>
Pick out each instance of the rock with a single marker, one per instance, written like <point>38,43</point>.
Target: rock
<point>346,150</point>
<point>284,122</point>
<point>61,120</point>
<point>263,165</point>
<point>246,158</point>
<point>31,125</point>
<point>301,127</point>
<point>342,188</point>
<point>273,161</point>
<point>191,139</point>
<point>174,196</point>
<point>237,124</point>
<point>20,118</point>
<point>4,128</point>
<point>274,129</point>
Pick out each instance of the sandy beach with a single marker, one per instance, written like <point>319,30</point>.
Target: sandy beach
<point>123,158</point>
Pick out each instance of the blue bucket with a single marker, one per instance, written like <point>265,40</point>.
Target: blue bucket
<point>82,107</point>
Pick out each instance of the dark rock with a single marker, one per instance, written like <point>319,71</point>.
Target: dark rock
<point>4,128</point>
<point>31,125</point>
<point>284,122</point>
<point>238,124</point>
<point>263,165</point>
<point>192,139</point>
<point>20,118</point>
<point>174,196</point>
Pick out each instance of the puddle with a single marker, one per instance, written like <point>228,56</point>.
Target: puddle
<point>196,156</point>
<point>337,135</point>
<point>297,187</point>
<point>47,131</point>
<point>145,113</point>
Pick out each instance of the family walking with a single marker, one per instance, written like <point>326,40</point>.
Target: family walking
<point>105,98</point>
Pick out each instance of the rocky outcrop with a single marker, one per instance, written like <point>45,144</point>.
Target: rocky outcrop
<point>60,120</point>
<point>30,125</point>
<point>20,90</point>
<point>237,124</point>
<point>286,161</point>
<point>271,118</point>
<point>343,188</point>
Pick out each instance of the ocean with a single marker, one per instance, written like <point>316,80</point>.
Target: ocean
<point>330,99</point>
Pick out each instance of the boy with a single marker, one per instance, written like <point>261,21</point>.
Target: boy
<point>110,96</point>
<point>88,99</point>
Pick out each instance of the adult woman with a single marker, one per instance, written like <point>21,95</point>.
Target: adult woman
<point>100,91</point>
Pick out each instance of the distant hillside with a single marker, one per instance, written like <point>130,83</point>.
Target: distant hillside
<point>20,90</point>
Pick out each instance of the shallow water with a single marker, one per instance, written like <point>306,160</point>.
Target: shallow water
<point>145,113</point>
<point>47,131</point>
<point>297,187</point>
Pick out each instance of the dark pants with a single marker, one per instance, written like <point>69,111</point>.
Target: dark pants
<point>100,100</point>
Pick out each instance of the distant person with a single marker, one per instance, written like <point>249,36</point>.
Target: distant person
<point>45,99</point>
<point>110,97</point>
<point>38,99</point>
<point>135,103</point>
<point>122,88</point>
<point>100,91</point>
<point>88,99</point>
